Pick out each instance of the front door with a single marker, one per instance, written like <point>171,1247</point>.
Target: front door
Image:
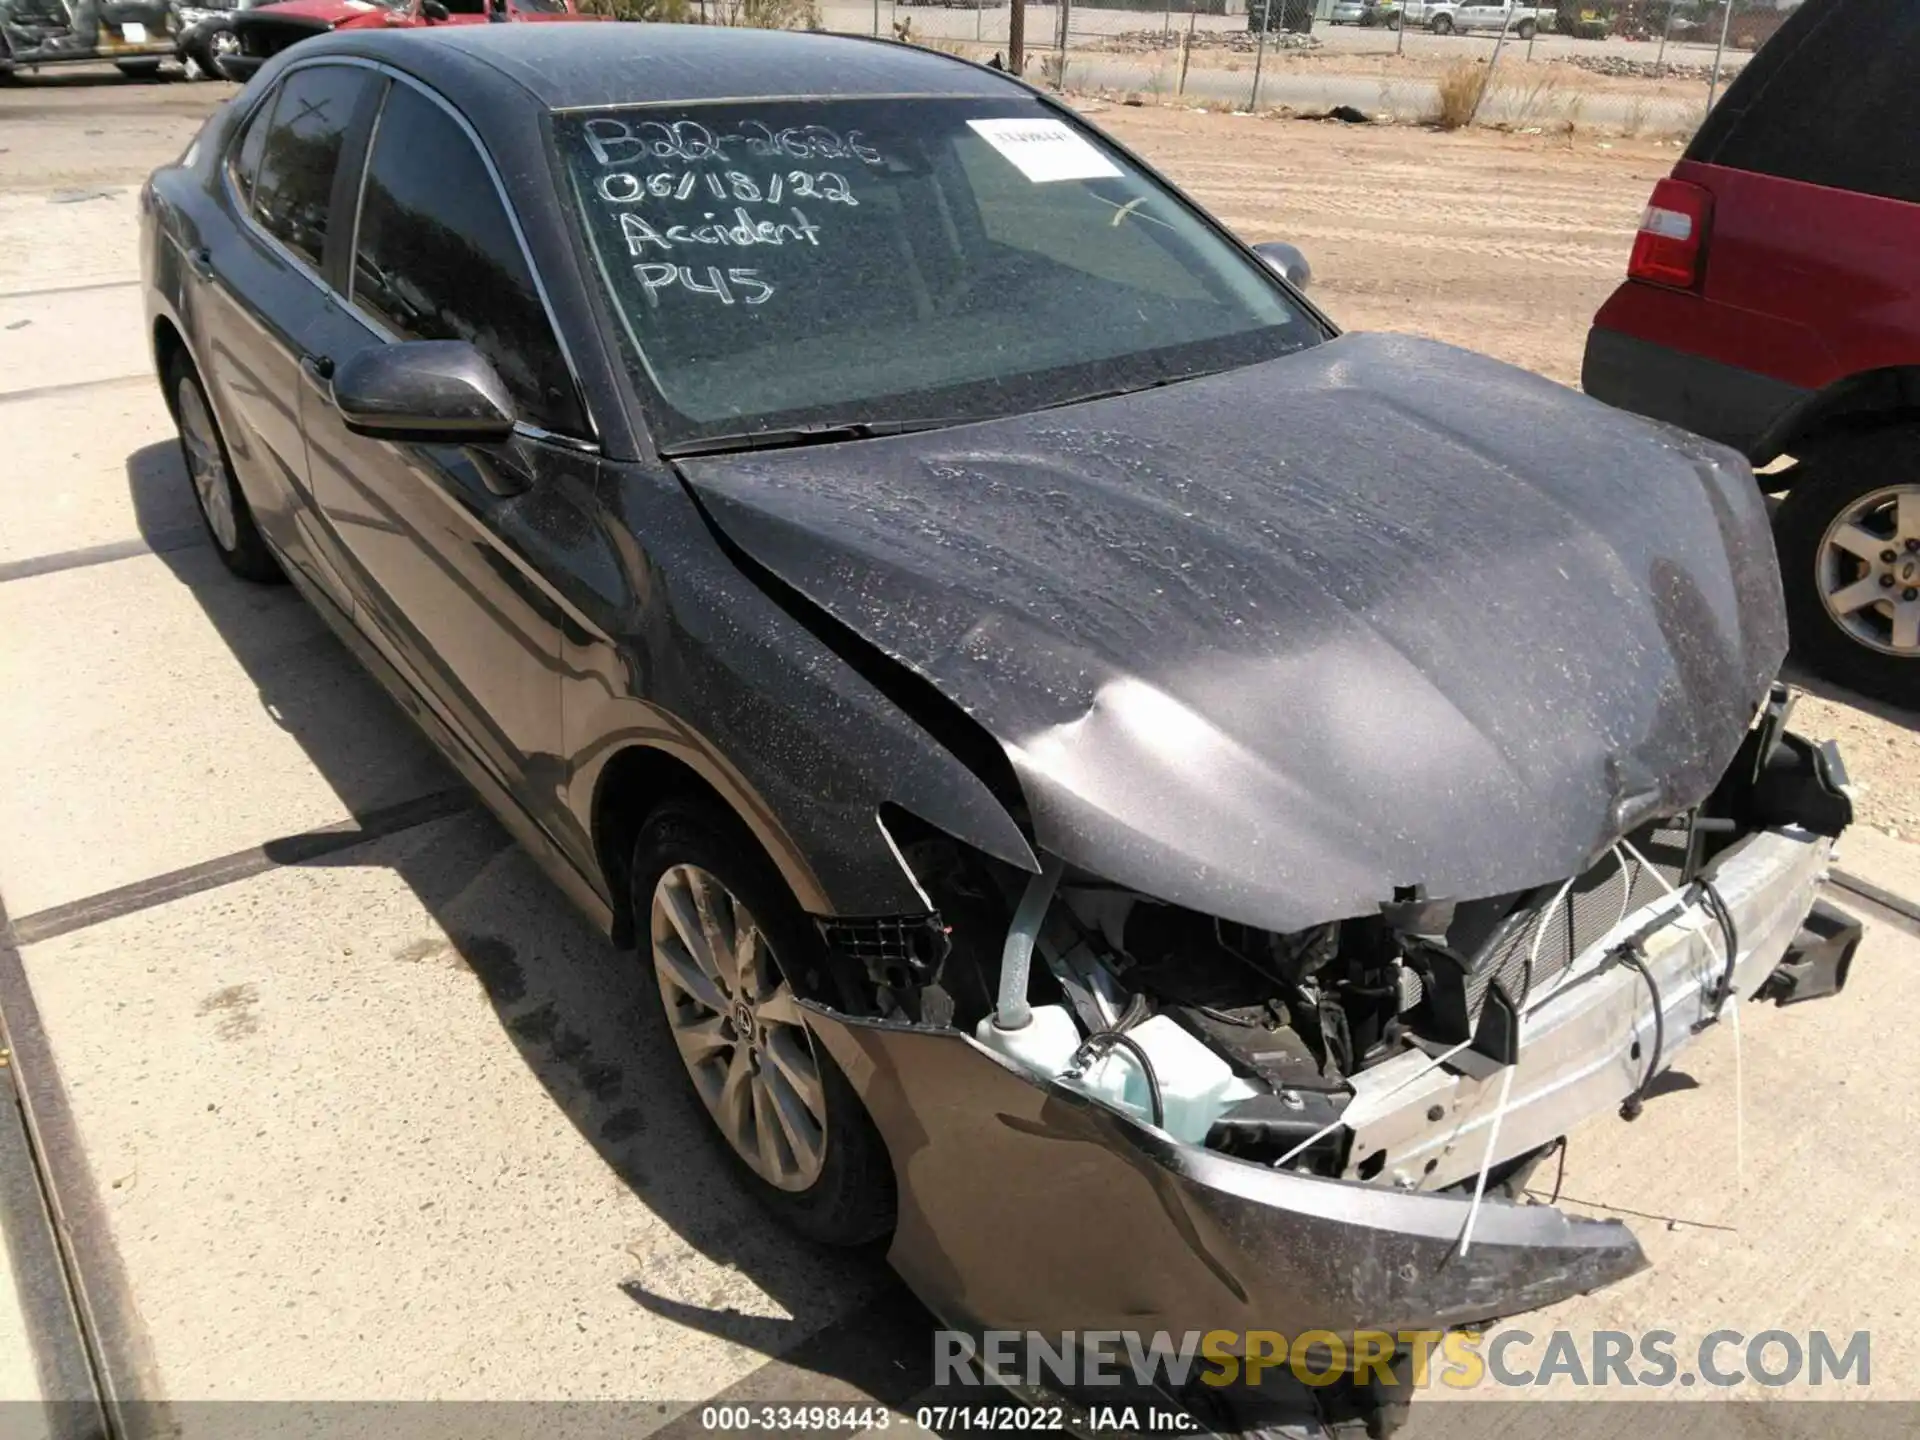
<point>445,545</point>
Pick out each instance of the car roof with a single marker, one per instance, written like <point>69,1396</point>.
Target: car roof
<point>579,65</point>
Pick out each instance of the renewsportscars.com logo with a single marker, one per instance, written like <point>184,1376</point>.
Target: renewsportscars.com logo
<point>1456,1359</point>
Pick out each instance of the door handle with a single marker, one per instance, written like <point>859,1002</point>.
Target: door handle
<point>201,263</point>
<point>320,367</point>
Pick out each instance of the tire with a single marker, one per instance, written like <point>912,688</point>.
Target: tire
<point>1442,25</point>
<point>206,51</point>
<point>138,69</point>
<point>229,521</point>
<point>843,1195</point>
<point>1525,29</point>
<point>1870,485</point>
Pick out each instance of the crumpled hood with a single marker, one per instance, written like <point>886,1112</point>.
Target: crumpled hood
<point>1272,643</point>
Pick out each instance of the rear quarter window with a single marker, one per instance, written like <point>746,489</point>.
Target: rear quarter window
<point>1833,99</point>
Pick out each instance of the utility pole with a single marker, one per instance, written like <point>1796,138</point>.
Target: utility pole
<point>1487,80</point>
<point>1186,45</point>
<point>1713,86</point>
<point>1017,37</point>
<point>1260,52</point>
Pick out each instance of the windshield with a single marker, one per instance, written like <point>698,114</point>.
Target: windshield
<point>780,264</point>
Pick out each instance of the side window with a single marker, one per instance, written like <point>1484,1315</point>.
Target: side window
<point>243,160</point>
<point>1806,125</point>
<point>294,190</point>
<point>436,258</point>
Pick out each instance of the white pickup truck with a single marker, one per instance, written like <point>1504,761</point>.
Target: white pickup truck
<point>1445,17</point>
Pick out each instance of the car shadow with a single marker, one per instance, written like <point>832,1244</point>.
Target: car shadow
<point>576,1009</point>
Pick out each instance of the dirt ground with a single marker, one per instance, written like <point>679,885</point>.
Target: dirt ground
<point>1547,80</point>
<point>1501,242</point>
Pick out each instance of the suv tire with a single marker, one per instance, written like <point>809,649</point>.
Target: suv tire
<point>1868,485</point>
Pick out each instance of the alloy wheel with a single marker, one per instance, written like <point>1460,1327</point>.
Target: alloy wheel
<point>1867,571</point>
<point>206,466</point>
<point>739,1027</point>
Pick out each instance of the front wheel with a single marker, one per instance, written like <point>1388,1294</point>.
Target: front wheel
<point>1525,29</point>
<point>1848,536</point>
<point>1442,25</point>
<point>732,954</point>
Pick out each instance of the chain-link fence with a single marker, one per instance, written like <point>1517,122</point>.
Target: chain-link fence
<point>1638,67</point>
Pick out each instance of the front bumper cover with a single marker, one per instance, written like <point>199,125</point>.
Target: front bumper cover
<point>1027,1205</point>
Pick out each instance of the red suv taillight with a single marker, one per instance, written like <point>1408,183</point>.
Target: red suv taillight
<point>1673,236</point>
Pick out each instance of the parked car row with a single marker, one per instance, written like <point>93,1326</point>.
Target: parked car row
<point>1448,17</point>
<point>227,39</point>
<point>1444,17</point>
<point>136,35</point>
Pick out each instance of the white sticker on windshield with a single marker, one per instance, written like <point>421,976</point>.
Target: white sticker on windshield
<point>1044,150</point>
<point>133,33</point>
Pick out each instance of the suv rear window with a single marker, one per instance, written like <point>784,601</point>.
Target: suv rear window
<point>1833,99</point>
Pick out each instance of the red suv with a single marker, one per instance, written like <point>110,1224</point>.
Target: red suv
<point>1772,302</point>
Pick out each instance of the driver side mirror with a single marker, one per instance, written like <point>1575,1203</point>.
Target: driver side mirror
<point>1287,262</point>
<point>427,392</point>
<point>435,11</point>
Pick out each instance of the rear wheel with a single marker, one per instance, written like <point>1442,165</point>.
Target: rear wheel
<point>223,507</point>
<point>732,953</point>
<point>1525,29</point>
<point>1442,25</point>
<point>1849,540</point>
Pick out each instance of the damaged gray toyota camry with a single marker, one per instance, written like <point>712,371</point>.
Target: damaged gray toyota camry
<point>1098,762</point>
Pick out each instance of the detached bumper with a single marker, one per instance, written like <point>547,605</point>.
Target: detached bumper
<point>1027,1205</point>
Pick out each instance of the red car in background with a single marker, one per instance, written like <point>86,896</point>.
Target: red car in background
<point>267,31</point>
<point>1772,302</point>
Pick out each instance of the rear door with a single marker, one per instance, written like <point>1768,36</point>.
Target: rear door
<point>445,545</point>
<point>259,291</point>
